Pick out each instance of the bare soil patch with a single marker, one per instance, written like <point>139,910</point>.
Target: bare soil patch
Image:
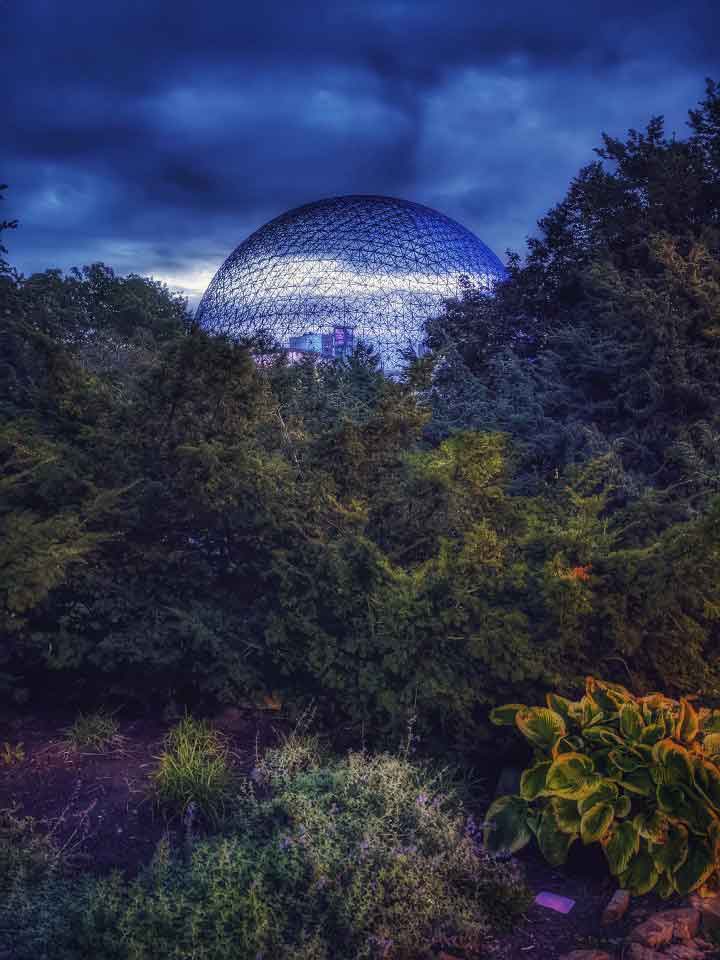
<point>97,804</point>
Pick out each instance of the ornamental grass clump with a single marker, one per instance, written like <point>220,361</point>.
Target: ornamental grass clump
<point>638,775</point>
<point>194,769</point>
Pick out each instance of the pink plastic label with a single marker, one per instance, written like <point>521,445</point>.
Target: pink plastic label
<point>553,901</point>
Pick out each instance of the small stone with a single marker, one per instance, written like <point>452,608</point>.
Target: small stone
<point>586,955</point>
<point>617,907</point>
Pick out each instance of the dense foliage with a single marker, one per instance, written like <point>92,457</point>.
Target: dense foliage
<point>639,775</point>
<point>537,500</point>
<point>360,858</point>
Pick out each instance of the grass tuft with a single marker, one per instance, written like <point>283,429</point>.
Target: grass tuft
<point>194,769</point>
<point>11,754</point>
<point>95,730</point>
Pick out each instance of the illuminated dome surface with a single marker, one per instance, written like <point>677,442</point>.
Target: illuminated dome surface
<point>344,270</point>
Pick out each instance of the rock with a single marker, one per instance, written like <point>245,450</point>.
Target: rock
<point>653,932</point>
<point>685,920</point>
<point>661,928</point>
<point>586,955</point>
<point>638,951</point>
<point>617,907</point>
<point>709,908</point>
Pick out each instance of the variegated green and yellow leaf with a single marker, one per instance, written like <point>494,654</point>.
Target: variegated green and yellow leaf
<point>620,846</point>
<point>505,715</point>
<point>688,724</point>
<point>671,854</point>
<point>631,721</point>
<point>541,726</point>
<point>605,792</point>
<point>571,775</point>
<point>567,815</point>
<point>532,781</point>
<point>596,822</point>
<point>696,868</point>
<point>641,874</point>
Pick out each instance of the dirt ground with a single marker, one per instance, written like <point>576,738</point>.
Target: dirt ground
<point>96,805</point>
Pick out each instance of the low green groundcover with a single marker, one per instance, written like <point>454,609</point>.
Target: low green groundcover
<point>363,857</point>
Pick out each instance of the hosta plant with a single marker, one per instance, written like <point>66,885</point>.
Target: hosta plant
<point>638,775</point>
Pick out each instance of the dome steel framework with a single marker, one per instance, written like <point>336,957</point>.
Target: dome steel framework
<point>329,274</point>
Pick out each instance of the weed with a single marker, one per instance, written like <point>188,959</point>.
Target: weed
<point>95,730</point>
<point>12,754</point>
<point>23,851</point>
<point>194,769</point>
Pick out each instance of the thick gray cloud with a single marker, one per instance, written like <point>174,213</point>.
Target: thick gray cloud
<point>155,135</point>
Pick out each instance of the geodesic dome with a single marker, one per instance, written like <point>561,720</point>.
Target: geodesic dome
<point>327,275</point>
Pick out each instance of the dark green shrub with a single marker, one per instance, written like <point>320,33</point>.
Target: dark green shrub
<point>639,775</point>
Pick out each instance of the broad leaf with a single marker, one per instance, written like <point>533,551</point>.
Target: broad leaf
<point>596,822</point>
<point>672,762</point>
<point>623,762</point>
<point>506,825</point>
<point>707,778</point>
<point>601,734</point>
<point>623,806</point>
<point>567,815</point>
<point>571,776</point>
<point>640,782</point>
<point>652,826</point>
<point>620,846</point>
<point>711,744</point>
<point>631,721</point>
<point>590,712</point>
<point>688,723</point>
<point>505,715</point>
<point>696,868</point>
<point>652,734</point>
<point>680,803</point>
<point>641,874</point>
<point>559,704</point>
<point>554,843</point>
<point>710,721</point>
<point>671,854</point>
<point>532,782</point>
<point>541,726</point>
<point>609,696</point>
<point>605,792</point>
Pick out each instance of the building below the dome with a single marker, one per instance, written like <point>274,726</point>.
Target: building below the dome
<point>339,343</point>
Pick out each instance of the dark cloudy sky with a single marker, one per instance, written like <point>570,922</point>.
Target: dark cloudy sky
<point>155,135</point>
